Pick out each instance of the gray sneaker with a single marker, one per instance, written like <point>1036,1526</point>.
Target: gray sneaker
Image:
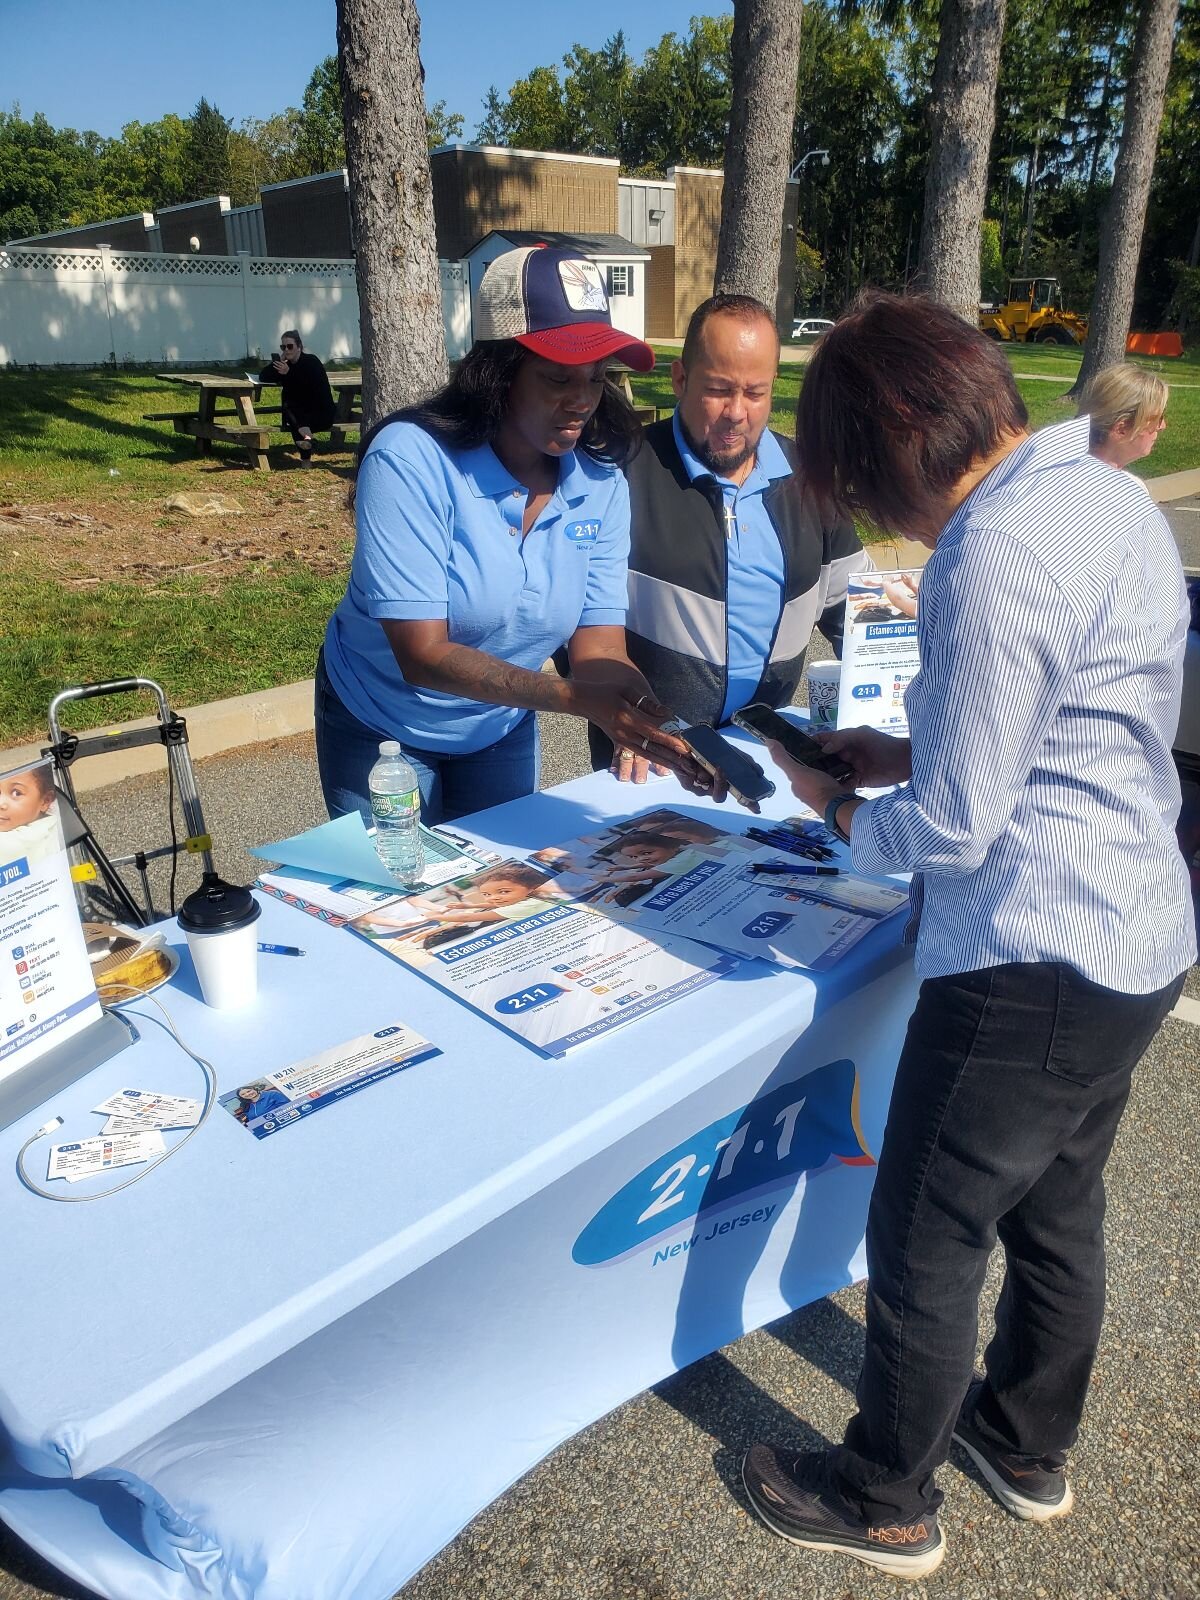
<point>792,1493</point>
<point>1027,1486</point>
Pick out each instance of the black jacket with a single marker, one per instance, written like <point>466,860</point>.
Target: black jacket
<point>306,398</point>
<point>678,577</point>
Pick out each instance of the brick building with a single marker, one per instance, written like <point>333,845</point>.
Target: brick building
<point>479,190</point>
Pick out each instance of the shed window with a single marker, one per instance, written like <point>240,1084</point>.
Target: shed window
<point>619,281</point>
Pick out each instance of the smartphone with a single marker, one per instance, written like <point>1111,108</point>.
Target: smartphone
<point>746,780</point>
<point>275,356</point>
<point>765,724</point>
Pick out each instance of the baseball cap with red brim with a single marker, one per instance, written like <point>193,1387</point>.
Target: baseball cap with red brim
<point>553,302</point>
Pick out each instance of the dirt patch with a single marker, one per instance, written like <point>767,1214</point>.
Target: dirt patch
<point>300,516</point>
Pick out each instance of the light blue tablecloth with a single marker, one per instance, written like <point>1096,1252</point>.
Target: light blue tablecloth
<point>293,1368</point>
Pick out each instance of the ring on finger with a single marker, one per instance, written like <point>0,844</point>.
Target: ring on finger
<point>646,744</point>
<point>624,755</point>
<point>638,702</point>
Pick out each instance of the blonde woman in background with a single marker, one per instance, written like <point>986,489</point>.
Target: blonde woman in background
<point>1127,408</point>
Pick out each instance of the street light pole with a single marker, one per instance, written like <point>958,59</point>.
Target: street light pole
<point>799,167</point>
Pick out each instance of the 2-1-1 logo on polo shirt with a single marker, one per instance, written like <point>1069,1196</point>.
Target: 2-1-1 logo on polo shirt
<point>582,532</point>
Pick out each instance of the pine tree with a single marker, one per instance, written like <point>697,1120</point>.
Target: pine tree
<point>1125,218</point>
<point>207,159</point>
<point>391,203</point>
<point>765,49</point>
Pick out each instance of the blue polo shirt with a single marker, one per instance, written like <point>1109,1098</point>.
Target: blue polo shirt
<point>439,537</point>
<point>754,587</point>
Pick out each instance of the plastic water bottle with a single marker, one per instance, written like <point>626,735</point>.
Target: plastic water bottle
<point>396,808</point>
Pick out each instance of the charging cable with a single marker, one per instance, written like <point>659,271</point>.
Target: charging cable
<point>210,1095</point>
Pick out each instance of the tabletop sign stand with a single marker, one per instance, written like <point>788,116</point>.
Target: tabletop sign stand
<point>53,1028</point>
<point>40,1080</point>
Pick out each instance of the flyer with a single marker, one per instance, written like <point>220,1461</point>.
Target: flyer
<point>683,877</point>
<point>879,650</point>
<point>47,991</point>
<point>337,900</point>
<point>511,944</point>
<point>280,1099</point>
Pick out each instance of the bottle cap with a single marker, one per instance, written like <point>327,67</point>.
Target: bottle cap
<point>218,907</point>
<point>390,747</point>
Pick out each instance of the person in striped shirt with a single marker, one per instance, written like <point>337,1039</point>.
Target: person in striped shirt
<point>1034,806</point>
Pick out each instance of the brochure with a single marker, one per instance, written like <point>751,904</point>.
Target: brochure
<point>47,989</point>
<point>879,650</point>
<point>279,1099</point>
<point>336,900</point>
<point>509,943</point>
<point>685,878</point>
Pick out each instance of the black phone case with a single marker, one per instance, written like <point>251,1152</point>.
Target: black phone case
<point>798,744</point>
<point>746,779</point>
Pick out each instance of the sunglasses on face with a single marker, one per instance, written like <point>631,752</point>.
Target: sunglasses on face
<point>287,345</point>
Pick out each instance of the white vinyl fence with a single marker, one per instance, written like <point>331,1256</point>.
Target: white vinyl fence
<point>91,307</point>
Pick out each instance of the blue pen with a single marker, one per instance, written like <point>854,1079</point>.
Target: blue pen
<point>794,843</point>
<point>280,950</point>
<point>797,869</point>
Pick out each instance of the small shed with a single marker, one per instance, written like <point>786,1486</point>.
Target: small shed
<point>622,266</point>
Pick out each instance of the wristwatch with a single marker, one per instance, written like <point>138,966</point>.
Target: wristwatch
<point>831,811</point>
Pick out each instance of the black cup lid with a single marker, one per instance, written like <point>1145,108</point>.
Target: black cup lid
<point>217,907</point>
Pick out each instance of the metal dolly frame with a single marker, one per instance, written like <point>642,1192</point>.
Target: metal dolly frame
<point>89,860</point>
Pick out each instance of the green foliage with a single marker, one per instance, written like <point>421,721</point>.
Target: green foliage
<point>206,159</point>
<point>320,141</point>
<point>863,88</point>
<point>670,109</point>
<point>810,272</point>
<point>1183,308</point>
<point>991,267</point>
<point>441,126</point>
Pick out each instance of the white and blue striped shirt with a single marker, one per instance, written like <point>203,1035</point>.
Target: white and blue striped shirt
<point>1040,818</point>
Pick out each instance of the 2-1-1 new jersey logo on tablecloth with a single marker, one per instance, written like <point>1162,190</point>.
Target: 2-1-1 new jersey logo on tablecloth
<point>805,1126</point>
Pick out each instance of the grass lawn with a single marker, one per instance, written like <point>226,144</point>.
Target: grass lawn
<point>99,580</point>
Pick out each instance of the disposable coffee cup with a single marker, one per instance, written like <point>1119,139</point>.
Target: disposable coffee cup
<point>824,679</point>
<point>219,919</point>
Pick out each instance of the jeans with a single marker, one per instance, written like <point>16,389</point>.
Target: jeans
<point>1011,1084</point>
<point>451,785</point>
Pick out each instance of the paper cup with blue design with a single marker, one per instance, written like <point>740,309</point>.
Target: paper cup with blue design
<point>824,679</point>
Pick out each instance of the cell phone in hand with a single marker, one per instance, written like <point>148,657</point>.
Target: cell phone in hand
<point>764,724</point>
<point>745,779</point>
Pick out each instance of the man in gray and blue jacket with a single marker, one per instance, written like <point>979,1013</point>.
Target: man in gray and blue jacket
<point>732,563</point>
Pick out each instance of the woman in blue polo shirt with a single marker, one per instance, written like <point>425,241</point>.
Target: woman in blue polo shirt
<point>492,529</point>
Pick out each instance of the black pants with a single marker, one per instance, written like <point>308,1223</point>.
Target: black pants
<point>294,420</point>
<point>1010,1087</point>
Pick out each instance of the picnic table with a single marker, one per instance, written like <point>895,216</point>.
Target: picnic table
<point>239,423</point>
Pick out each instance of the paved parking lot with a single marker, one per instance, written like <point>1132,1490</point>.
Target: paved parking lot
<point>646,1505</point>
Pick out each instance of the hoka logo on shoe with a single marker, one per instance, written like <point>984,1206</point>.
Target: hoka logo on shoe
<point>915,1533</point>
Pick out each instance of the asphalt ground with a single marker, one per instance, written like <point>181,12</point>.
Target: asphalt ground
<point>646,1504</point>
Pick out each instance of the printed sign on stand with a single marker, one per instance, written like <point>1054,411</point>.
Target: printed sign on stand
<point>879,650</point>
<point>47,991</point>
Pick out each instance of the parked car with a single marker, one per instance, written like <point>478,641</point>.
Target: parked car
<point>810,327</point>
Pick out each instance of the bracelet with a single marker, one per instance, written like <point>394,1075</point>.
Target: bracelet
<point>831,811</point>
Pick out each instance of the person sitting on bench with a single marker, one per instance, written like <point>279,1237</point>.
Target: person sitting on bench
<point>307,400</point>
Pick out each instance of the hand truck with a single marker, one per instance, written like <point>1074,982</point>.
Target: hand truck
<point>91,866</point>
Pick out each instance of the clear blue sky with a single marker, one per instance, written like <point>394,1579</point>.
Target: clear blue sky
<point>101,63</point>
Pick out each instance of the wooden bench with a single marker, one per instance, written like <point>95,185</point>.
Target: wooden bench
<point>253,439</point>
<point>620,380</point>
<point>339,430</point>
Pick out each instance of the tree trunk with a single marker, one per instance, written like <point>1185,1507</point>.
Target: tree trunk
<point>1030,203</point>
<point>758,149</point>
<point>962,115</point>
<point>391,203</point>
<point>1125,215</point>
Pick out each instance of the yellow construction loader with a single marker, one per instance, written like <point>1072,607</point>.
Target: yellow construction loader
<point>1033,314</point>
